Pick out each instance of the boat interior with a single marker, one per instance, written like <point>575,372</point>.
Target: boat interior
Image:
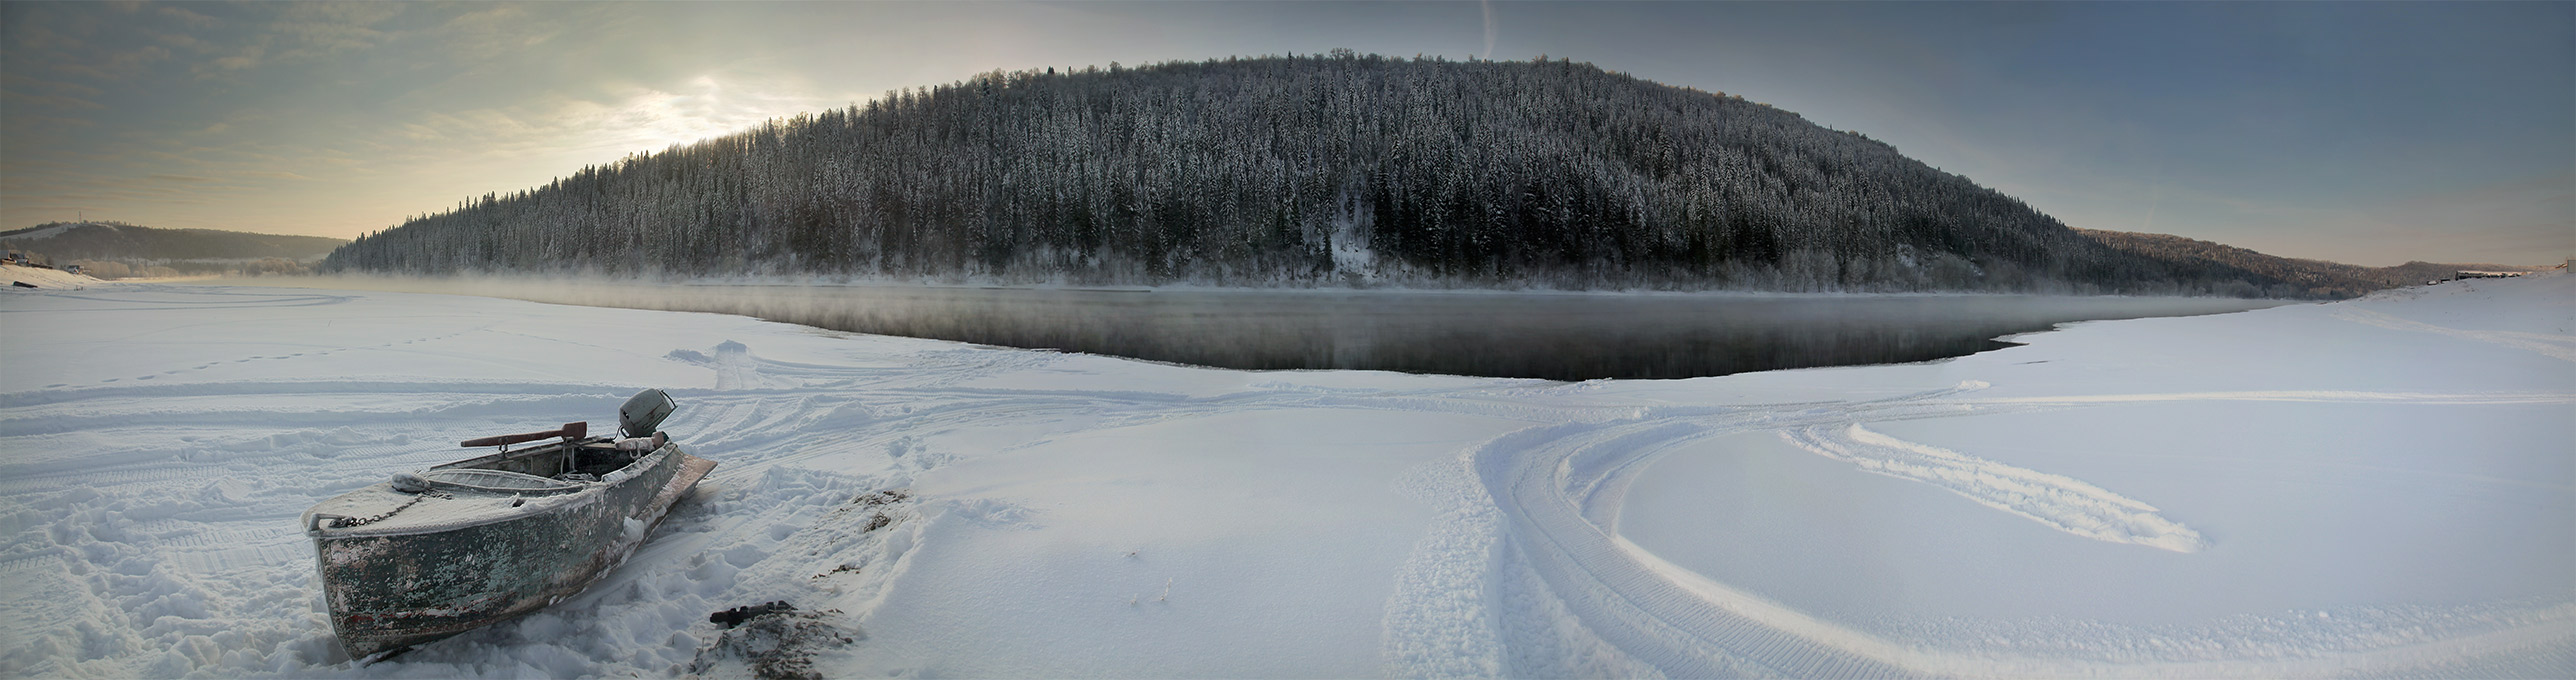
<point>590,460</point>
<point>560,465</point>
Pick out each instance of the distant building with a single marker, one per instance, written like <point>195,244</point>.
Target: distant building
<point>71,268</point>
<point>2473,274</point>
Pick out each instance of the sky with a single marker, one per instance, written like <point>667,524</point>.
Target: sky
<point>2369,133</point>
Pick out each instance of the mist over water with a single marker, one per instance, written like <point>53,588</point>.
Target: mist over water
<point>1558,336</point>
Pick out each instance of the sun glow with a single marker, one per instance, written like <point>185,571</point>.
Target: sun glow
<point>648,118</point>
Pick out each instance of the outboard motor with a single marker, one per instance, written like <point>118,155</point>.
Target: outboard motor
<point>644,412</point>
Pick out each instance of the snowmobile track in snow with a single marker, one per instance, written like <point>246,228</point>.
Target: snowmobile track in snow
<point>1552,494</point>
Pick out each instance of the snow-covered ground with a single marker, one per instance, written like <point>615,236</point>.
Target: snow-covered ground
<point>2377,487</point>
<point>42,277</point>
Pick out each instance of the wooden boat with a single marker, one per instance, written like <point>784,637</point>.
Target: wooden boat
<point>482,540</point>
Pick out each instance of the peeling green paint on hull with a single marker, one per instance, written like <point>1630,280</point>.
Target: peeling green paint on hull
<point>460,558</point>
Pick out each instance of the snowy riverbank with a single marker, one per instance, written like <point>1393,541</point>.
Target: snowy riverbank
<point>2382,486</point>
<point>44,277</point>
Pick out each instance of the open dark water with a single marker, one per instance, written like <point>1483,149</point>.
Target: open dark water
<point>1518,335</point>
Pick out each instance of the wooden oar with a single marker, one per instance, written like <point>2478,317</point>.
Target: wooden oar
<point>569,431</point>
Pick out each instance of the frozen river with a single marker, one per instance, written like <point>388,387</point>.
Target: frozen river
<point>1556,336</point>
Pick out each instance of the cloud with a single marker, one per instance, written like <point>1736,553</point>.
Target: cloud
<point>623,120</point>
<point>287,33</point>
<point>54,102</point>
<point>312,29</point>
<point>181,178</point>
<point>249,56</point>
<point>22,82</point>
<point>188,18</point>
<point>115,66</point>
<point>185,41</point>
<point>29,37</point>
<point>494,31</point>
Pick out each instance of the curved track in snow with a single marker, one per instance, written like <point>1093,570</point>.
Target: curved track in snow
<point>1551,495</point>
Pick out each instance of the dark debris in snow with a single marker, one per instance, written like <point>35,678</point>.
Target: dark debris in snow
<point>774,640</point>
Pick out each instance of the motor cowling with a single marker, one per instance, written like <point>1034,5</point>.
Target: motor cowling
<point>644,412</point>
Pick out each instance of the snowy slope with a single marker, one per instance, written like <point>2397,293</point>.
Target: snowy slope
<point>2381,486</point>
<point>45,278</point>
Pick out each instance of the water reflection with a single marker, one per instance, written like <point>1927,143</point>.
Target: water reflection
<point>1553,336</point>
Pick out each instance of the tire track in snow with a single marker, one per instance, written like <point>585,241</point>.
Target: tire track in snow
<point>2063,503</point>
<point>1440,621</point>
<point>1556,490</point>
<point>1544,481</point>
<point>2561,347</point>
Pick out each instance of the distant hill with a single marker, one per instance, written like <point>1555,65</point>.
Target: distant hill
<point>66,241</point>
<point>1308,170</point>
<point>116,250</point>
<point>2310,278</point>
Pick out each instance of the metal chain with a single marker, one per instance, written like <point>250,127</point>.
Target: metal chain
<point>346,522</point>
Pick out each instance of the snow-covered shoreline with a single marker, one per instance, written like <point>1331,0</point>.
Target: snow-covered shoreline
<point>45,277</point>
<point>1074,515</point>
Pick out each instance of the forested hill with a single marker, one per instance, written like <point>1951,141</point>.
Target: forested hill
<point>1291,171</point>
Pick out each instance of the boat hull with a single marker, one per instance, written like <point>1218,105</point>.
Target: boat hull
<point>393,589</point>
